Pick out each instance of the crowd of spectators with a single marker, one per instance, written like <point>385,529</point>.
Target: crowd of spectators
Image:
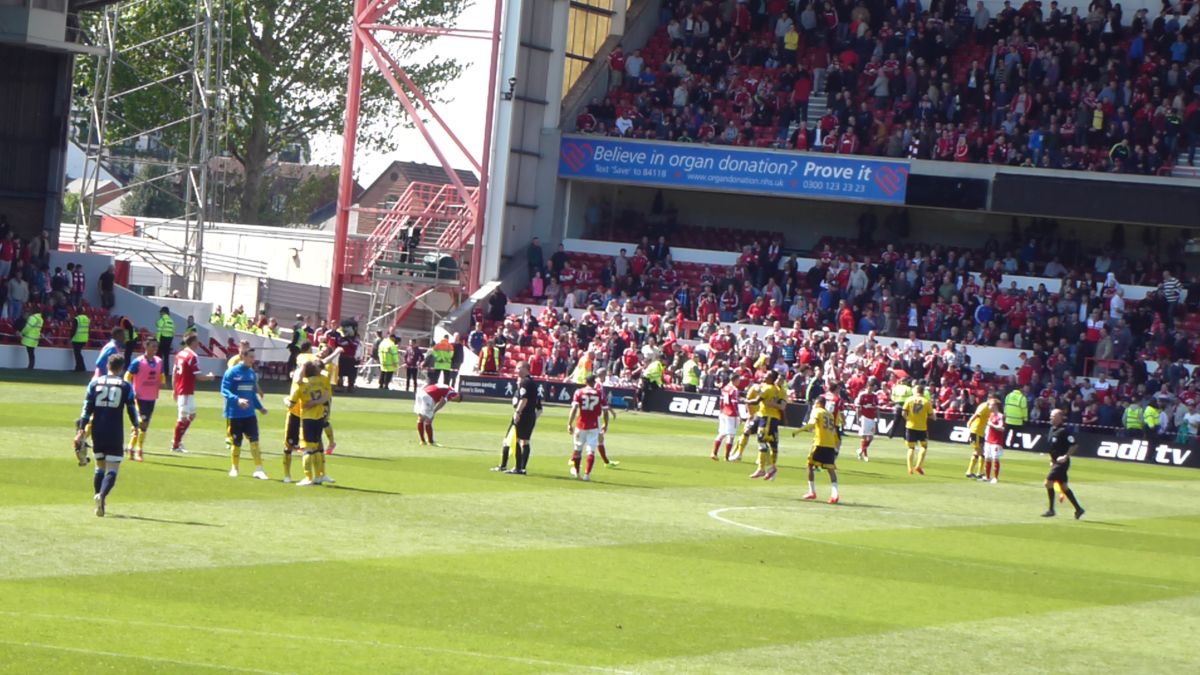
<point>1087,88</point>
<point>919,307</point>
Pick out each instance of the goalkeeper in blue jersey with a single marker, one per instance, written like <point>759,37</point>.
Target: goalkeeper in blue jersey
<point>108,396</point>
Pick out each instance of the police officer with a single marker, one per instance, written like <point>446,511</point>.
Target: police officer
<point>80,336</point>
<point>1062,445</point>
<point>1016,411</point>
<point>164,333</point>
<point>31,335</point>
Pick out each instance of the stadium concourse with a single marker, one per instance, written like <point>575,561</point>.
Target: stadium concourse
<point>1055,85</point>
<point>969,322</point>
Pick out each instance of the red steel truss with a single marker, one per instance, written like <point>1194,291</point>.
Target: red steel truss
<point>463,211</point>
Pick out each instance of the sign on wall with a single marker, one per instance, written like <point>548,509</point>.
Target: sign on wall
<point>733,169</point>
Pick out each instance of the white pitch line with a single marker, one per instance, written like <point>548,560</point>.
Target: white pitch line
<point>318,638</point>
<point>139,657</point>
<point>715,514</point>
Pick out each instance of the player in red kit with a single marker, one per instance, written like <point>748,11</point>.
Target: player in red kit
<point>427,403</point>
<point>867,404</point>
<point>993,449</point>
<point>586,410</point>
<point>601,373</point>
<point>186,372</point>
<point>727,422</point>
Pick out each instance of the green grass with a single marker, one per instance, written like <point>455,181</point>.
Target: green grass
<point>421,560</point>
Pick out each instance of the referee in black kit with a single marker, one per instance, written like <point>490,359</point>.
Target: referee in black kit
<point>1062,446</point>
<point>527,405</point>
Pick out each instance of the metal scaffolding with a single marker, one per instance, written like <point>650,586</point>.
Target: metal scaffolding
<point>178,146</point>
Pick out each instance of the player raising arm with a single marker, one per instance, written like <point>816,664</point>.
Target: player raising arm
<point>107,396</point>
<point>772,402</point>
<point>587,407</point>
<point>824,451</point>
<point>307,401</point>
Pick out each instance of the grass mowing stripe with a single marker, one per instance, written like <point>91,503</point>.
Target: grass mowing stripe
<point>75,620</point>
<point>139,657</point>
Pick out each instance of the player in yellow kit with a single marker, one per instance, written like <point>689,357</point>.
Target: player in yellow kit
<point>306,402</point>
<point>332,374</point>
<point>291,434</point>
<point>977,425</point>
<point>753,393</point>
<point>771,403</point>
<point>824,451</point>
<point>917,410</point>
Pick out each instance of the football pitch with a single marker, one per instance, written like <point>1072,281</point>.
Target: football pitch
<point>420,559</point>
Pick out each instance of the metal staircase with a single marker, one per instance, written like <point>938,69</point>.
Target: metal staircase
<point>401,268</point>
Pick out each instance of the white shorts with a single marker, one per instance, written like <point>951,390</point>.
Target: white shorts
<point>866,426</point>
<point>186,405</point>
<point>423,405</point>
<point>992,451</point>
<point>727,425</point>
<point>587,438</point>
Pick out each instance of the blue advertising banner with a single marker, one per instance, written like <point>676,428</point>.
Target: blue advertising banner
<point>732,169</point>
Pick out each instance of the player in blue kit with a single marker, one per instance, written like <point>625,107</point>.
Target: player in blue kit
<point>108,396</point>
<point>239,386</point>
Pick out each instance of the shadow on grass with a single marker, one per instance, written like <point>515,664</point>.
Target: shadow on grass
<point>363,490</point>
<point>166,521</point>
<point>338,455</point>
<point>598,482</point>
<point>191,467</point>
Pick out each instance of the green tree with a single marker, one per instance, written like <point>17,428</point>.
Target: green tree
<point>70,209</point>
<point>154,196</point>
<point>286,63</point>
<point>311,194</point>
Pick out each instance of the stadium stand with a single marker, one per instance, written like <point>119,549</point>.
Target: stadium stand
<point>1082,88</point>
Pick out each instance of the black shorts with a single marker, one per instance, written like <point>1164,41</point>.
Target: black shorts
<point>311,433</point>
<point>916,435</point>
<point>768,429</point>
<point>976,442</point>
<point>291,432</point>
<point>1058,473</point>
<point>145,410</point>
<point>753,424</point>
<point>242,427</point>
<point>325,416</point>
<point>823,457</point>
<point>107,449</point>
<point>525,427</point>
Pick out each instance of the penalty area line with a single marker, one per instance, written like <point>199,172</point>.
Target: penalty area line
<point>715,514</point>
